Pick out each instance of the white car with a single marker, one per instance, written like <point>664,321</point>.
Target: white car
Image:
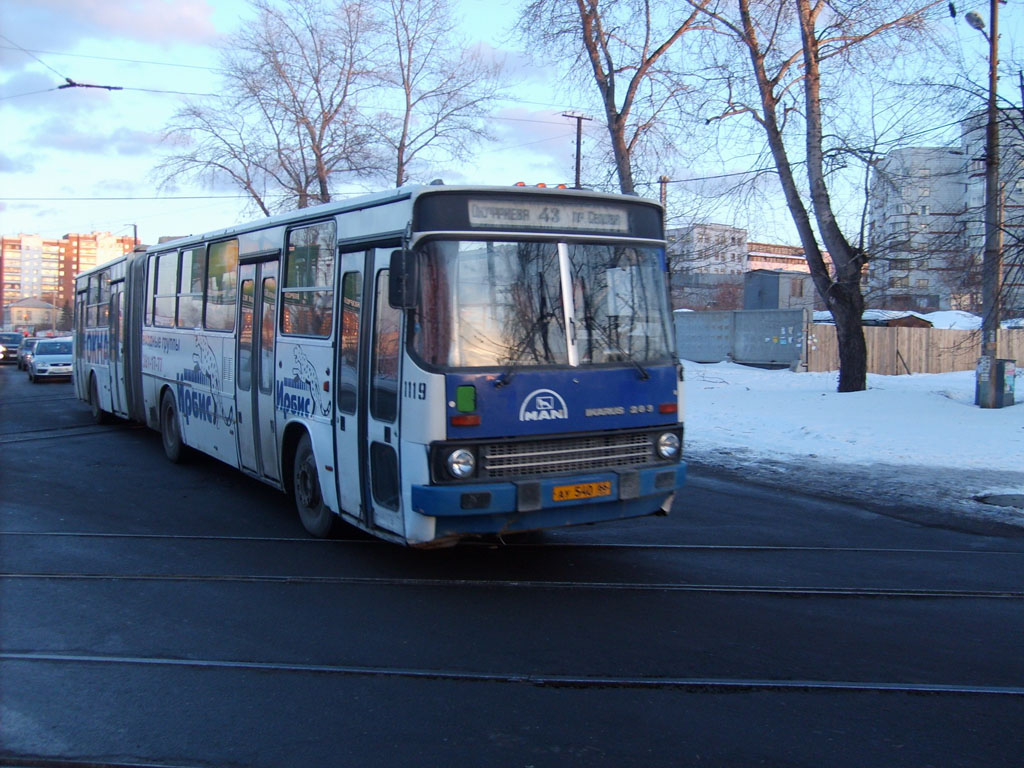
<point>51,359</point>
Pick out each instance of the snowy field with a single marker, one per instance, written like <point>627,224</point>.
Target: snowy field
<point>917,441</point>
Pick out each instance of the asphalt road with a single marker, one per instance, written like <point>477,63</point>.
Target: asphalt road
<point>160,615</point>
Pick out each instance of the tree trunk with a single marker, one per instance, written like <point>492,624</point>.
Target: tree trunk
<point>623,166</point>
<point>843,296</point>
<point>847,308</point>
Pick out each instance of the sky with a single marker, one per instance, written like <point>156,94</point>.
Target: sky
<point>81,159</point>
<point>916,440</point>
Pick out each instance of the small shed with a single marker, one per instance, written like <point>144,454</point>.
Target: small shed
<point>883,317</point>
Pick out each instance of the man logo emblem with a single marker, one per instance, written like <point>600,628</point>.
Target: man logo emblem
<point>543,405</point>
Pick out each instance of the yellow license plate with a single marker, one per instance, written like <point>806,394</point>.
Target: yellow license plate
<point>582,491</point>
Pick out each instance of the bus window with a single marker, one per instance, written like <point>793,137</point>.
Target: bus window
<point>92,301</point>
<point>384,392</point>
<point>190,289</point>
<point>221,274</point>
<point>166,282</point>
<point>267,335</point>
<point>150,290</point>
<point>103,310</point>
<point>98,300</point>
<point>308,290</point>
<point>348,365</point>
<point>245,338</point>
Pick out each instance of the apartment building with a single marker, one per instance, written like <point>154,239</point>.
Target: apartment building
<point>35,267</point>
<point>927,222</point>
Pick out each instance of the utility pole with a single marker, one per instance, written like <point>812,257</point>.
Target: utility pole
<point>988,385</point>
<point>579,141</point>
<point>663,182</point>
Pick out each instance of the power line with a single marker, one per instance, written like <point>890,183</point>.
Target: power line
<point>25,50</point>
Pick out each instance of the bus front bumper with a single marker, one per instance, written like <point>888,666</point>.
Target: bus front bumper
<point>548,502</point>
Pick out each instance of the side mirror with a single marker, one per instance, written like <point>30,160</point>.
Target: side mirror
<point>404,284</point>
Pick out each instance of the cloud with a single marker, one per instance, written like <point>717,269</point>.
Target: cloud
<point>65,136</point>
<point>23,85</point>
<point>147,20</point>
<point>63,24</point>
<point>22,164</point>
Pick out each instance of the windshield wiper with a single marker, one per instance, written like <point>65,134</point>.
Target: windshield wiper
<point>641,371</point>
<point>516,355</point>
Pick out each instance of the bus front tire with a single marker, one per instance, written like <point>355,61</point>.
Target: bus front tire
<point>314,514</point>
<point>170,432</point>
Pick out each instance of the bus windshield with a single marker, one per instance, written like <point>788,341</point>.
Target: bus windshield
<point>500,304</point>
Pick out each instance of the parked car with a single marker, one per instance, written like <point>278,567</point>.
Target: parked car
<point>9,342</point>
<point>51,359</point>
<point>25,351</point>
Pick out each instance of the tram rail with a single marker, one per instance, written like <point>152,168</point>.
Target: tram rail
<point>701,684</point>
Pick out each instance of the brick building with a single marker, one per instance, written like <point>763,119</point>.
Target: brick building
<point>34,267</point>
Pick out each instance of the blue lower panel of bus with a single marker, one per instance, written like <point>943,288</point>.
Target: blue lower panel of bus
<point>547,503</point>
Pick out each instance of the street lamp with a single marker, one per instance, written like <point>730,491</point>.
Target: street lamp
<point>988,386</point>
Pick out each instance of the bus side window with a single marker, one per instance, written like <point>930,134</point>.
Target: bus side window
<point>245,337</point>
<point>221,274</point>
<point>384,391</point>
<point>267,334</point>
<point>190,289</point>
<point>307,294</point>
<point>103,310</point>
<point>348,364</point>
<point>166,284</point>
<point>92,314</point>
<point>150,290</point>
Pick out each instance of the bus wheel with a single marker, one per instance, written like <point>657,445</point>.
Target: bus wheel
<point>99,416</point>
<point>314,514</point>
<point>170,432</point>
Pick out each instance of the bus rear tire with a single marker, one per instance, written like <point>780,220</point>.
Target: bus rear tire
<point>309,501</point>
<point>99,416</point>
<point>170,432</point>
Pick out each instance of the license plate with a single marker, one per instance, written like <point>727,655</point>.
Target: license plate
<point>582,491</point>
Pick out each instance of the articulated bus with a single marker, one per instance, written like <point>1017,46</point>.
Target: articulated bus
<point>428,364</point>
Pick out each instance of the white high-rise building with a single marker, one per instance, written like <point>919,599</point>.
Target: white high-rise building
<point>927,213</point>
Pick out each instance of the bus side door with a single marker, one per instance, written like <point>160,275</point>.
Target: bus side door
<point>116,352</point>
<point>366,386</point>
<point>254,379</point>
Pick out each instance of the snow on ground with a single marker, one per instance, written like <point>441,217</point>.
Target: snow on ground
<point>915,441</point>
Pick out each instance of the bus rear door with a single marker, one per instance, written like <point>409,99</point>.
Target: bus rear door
<point>118,402</point>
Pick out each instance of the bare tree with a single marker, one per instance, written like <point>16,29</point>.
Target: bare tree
<point>624,44</point>
<point>788,46</point>
<point>287,124</point>
<point>444,89</point>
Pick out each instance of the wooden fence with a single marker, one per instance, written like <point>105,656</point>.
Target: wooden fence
<point>894,351</point>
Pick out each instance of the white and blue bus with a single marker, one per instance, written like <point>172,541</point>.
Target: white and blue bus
<point>428,364</point>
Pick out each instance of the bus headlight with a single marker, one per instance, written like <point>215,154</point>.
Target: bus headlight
<point>668,445</point>
<point>461,463</point>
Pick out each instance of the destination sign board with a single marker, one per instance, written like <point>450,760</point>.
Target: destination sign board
<point>519,214</point>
